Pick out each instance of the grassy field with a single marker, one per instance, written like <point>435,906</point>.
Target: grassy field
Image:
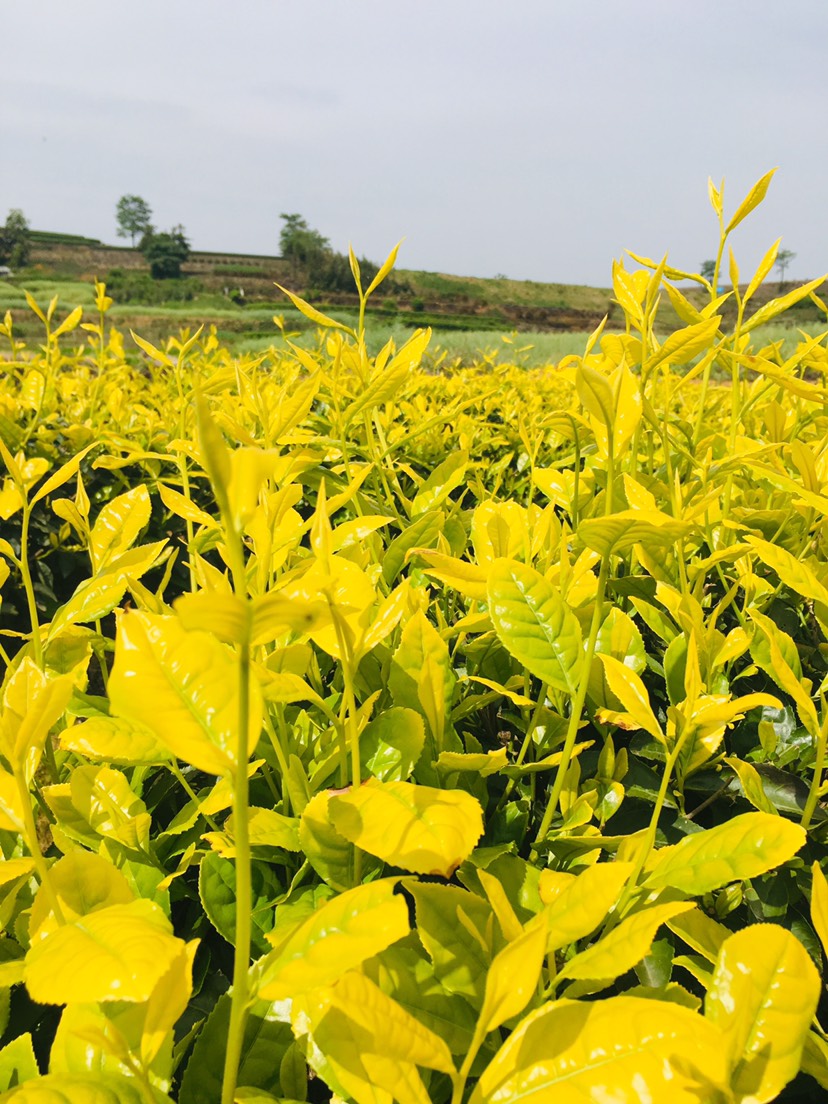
<point>462,336</point>
<point>502,291</point>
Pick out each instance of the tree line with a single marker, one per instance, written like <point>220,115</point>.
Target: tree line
<point>313,262</point>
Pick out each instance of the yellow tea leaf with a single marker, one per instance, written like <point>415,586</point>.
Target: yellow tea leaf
<point>118,525</point>
<point>32,704</point>
<point>62,475</point>
<point>386,267</point>
<point>684,345</point>
<point>751,783</point>
<point>183,507</point>
<point>168,1000</point>
<point>762,997</point>
<point>618,532</point>
<point>512,979</point>
<point>464,576</point>
<point>577,908</point>
<point>77,1088</point>
<point>183,687</point>
<point>631,692</point>
<point>393,1032</point>
<point>83,883</point>
<point>114,740</point>
<point>311,312</point>
<point>152,352</point>
<point>99,595</point>
<point>118,953</point>
<point>337,937</point>
<point>595,393</point>
<point>418,828</point>
<point>624,946</point>
<point>752,200</point>
<point>621,1049</point>
<point>819,905</point>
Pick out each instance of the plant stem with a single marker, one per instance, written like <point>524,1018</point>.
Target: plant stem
<point>28,586</point>
<point>816,781</point>
<point>577,703</point>
<point>462,1077</point>
<point>240,999</point>
<point>33,844</point>
<point>244,896</point>
<point>527,739</point>
<point>649,839</point>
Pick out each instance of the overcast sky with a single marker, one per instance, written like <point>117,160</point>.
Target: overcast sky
<point>535,138</point>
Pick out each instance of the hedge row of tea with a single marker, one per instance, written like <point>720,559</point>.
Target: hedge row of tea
<point>390,736</point>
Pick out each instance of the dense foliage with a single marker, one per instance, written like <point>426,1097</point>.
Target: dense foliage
<point>15,239</point>
<point>320,267</point>
<point>165,252</point>
<point>415,737</point>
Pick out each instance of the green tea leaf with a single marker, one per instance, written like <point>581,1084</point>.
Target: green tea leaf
<point>624,946</point>
<point>421,676</point>
<point>404,972</point>
<point>461,960</point>
<point>535,624</point>
<point>391,744</point>
<point>330,854</point>
<point>17,1062</point>
<point>445,478</point>
<point>743,847</point>
<point>217,891</point>
<point>266,1040</point>
<point>424,532</point>
<point>338,936</point>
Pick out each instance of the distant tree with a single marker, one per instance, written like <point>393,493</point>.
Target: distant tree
<point>707,269</point>
<point>14,239</point>
<point>330,271</point>
<point>783,259</point>
<point>166,252</point>
<point>134,217</point>
<point>300,244</point>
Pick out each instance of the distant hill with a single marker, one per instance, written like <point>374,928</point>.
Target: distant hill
<point>453,302</point>
<point>443,301</point>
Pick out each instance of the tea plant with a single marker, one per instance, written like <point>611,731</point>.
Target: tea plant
<point>383,735</point>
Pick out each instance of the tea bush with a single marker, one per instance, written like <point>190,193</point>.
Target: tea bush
<point>376,734</point>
